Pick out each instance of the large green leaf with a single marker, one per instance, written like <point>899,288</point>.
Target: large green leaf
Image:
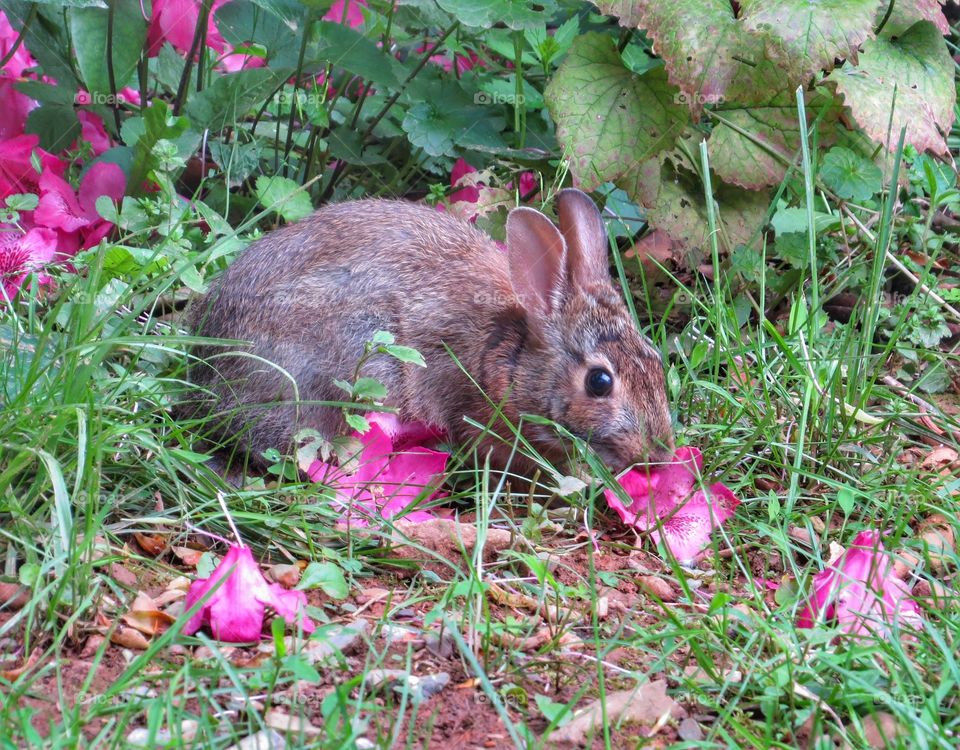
<point>89,30</point>
<point>751,146</point>
<point>705,49</point>
<point>905,13</point>
<point>918,65</point>
<point>515,14</point>
<point>275,26</point>
<point>608,118</point>
<point>675,204</point>
<point>806,36</point>
<point>46,37</point>
<point>230,97</point>
<point>345,48</point>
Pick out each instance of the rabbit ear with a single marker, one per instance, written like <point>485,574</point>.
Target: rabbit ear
<point>586,238</point>
<point>537,257</point>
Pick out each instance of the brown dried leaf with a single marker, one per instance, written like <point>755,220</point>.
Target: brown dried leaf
<point>152,544</point>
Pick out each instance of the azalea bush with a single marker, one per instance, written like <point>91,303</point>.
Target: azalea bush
<point>778,185</point>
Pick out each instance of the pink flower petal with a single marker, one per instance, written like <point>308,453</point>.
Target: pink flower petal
<point>93,132</point>
<point>17,174</point>
<point>666,499</point>
<point>354,16</point>
<point>860,593</point>
<point>394,470</point>
<point>21,254</point>
<point>469,193</point>
<point>58,207</point>
<point>103,178</point>
<point>235,612</point>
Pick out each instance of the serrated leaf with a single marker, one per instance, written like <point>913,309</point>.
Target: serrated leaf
<point>905,13</point>
<point>704,47</point>
<point>439,124</point>
<point>515,14</point>
<point>326,576</point>
<point>89,31</point>
<point>283,195</point>
<point>406,354</point>
<point>608,118</point>
<point>919,66</point>
<point>751,146</point>
<point>675,203</point>
<point>804,37</point>
<point>850,175</point>
<point>56,125</point>
<point>357,422</point>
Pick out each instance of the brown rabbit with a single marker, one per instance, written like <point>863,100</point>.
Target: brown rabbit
<point>540,328</point>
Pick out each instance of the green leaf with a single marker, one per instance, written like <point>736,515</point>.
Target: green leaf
<point>850,175</point>
<point>89,29</point>
<point>283,195</point>
<point>346,48</point>
<point>515,14</point>
<point>705,49</point>
<point>143,134</point>
<point>272,25</point>
<point>326,576</point>
<point>609,119</point>
<point>553,711</point>
<point>804,37</point>
<point>406,354</point>
<point>382,337</point>
<point>231,97</point>
<point>935,378</point>
<point>357,422</point>
<point>675,203</point>
<point>444,121</point>
<point>56,125</point>
<point>369,389</point>
<point>47,37</point>
<point>751,146</point>
<point>919,66</point>
<point>22,201</point>
<point>846,500</point>
<point>905,13</point>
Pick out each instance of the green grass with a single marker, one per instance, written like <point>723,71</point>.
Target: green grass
<point>792,413</point>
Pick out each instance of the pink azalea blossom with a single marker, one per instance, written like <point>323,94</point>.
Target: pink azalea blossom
<point>236,611</point>
<point>395,469</point>
<point>17,174</point>
<point>175,21</point>
<point>21,254</point>
<point>354,17</point>
<point>671,503</point>
<point>860,593</point>
<point>14,106</point>
<point>75,215</point>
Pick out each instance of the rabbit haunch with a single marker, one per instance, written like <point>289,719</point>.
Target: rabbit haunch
<point>532,326</point>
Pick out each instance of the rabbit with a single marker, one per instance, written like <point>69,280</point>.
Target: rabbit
<point>536,329</point>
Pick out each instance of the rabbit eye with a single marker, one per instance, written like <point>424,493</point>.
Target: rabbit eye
<point>599,382</point>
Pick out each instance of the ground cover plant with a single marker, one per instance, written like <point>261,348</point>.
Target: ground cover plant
<point>778,184</point>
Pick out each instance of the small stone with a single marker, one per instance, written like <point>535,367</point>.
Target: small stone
<point>440,645</point>
<point>690,730</point>
<point>266,739</point>
<point>284,722</point>
<point>143,737</point>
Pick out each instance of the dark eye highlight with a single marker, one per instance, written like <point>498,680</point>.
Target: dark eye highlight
<point>599,382</point>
